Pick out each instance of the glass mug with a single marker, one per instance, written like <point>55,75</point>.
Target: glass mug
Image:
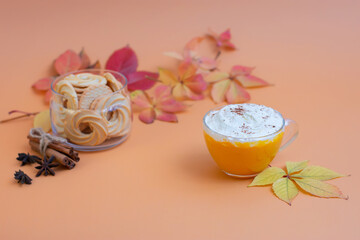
<point>246,157</point>
<point>104,124</point>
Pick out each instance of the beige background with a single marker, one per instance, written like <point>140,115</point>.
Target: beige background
<point>162,183</point>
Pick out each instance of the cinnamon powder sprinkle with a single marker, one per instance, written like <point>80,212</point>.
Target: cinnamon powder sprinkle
<point>239,110</point>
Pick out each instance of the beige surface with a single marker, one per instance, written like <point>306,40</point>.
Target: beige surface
<point>162,183</point>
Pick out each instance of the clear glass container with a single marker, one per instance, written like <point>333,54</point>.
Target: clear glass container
<point>93,114</point>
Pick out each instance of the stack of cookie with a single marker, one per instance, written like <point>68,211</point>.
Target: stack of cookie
<point>89,108</point>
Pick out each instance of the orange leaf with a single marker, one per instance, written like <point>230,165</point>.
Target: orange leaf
<point>196,83</point>
<point>167,77</point>
<point>188,85</point>
<point>191,95</point>
<point>186,70</point>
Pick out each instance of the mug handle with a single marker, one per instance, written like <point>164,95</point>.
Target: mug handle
<point>290,133</point>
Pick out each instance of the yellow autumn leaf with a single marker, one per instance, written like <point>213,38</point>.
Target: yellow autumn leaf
<point>318,173</point>
<point>179,91</point>
<point>319,188</point>
<point>167,77</point>
<point>42,120</point>
<point>293,167</point>
<point>268,176</point>
<point>285,189</point>
<point>216,76</point>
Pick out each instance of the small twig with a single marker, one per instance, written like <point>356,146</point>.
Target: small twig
<point>217,55</point>
<point>24,114</point>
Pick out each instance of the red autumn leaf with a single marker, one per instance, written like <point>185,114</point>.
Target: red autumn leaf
<point>85,60</point>
<point>48,95</point>
<point>43,84</point>
<point>223,39</point>
<point>161,105</point>
<point>67,62</point>
<point>190,54</point>
<point>187,85</point>
<point>244,76</point>
<point>123,60</point>
<point>231,86</point>
<point>141,80</point>
<point>166,117</point>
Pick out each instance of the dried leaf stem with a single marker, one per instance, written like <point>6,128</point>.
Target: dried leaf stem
<point>24,114</point>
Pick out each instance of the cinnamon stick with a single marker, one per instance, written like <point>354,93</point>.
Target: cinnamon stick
<point>60,147</point>
<point>59,157</point>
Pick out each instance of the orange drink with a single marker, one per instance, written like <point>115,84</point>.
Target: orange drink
<point>244,138</point>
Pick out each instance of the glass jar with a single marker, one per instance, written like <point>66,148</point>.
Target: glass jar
<point>91,108</point>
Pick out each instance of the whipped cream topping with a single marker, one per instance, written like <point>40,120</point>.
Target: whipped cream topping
<point>244,120</point>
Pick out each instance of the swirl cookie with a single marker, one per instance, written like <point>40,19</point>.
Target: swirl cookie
<point>65,88</point>
<point>91,93</point>
<point>58,115</point>
<point>80,90</point>
<point>112,82</point>
<point>84,80</point>
<point>86,127</point>
<point>115,110</point>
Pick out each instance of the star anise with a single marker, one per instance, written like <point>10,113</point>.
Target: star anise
<point>22,177</point>
<point>27,158</point>
<point>46,165</point>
